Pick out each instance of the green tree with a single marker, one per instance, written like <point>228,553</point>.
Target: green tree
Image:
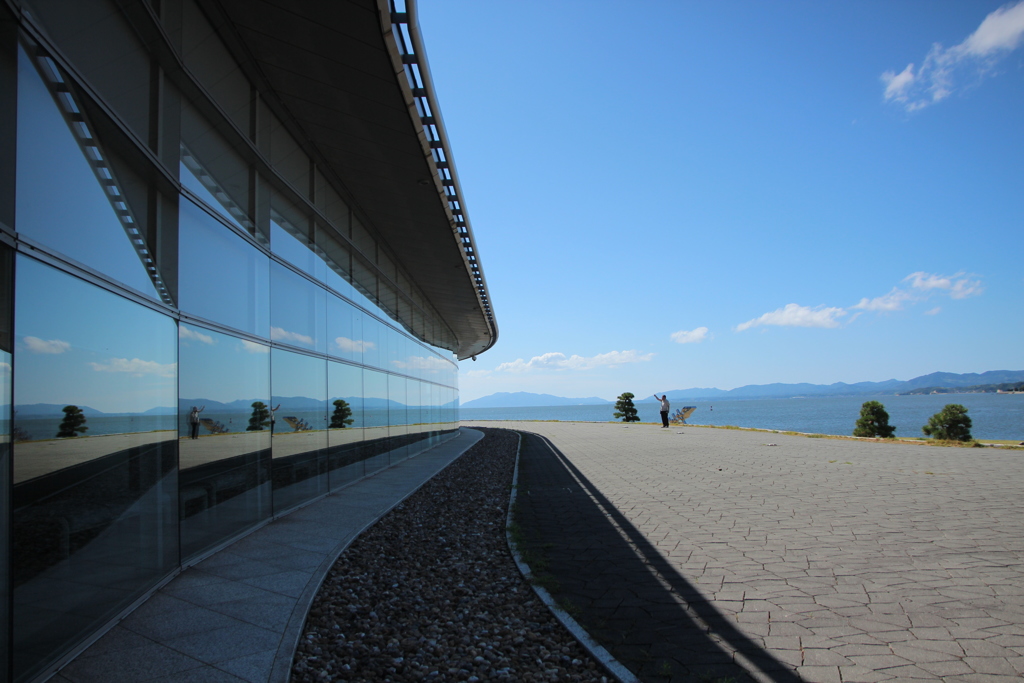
<point>874,421</point>
<point>342,415</point>
<point>260,417</point>
<point>949,424</point>
<point>74,422</point>
<point>625,409</point>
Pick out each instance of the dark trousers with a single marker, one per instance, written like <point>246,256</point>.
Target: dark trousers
<point>664,418</point>
<point>194,431</point>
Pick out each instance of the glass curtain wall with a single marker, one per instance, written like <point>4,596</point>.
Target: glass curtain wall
<point>197,343</point>
<point>95,490</point>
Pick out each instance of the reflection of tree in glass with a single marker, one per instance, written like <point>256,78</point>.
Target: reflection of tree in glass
<point>260,417</point>
<point>74,422</point>
<point>19,433</point>
<point>342,416</point>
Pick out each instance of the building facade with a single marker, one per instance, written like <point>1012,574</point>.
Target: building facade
<point>235,275</point>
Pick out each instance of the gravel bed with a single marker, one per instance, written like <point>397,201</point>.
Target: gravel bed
<point>431,592</point>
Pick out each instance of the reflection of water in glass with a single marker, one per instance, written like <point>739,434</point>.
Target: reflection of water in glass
<point>34,429</point>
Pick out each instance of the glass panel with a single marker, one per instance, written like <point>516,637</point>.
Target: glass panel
<point>339,266</point>
<point>342,339</point>
<point>224,436</point>
<point>94,518</point>
<point>298,424</point>
<point>212,65</point>
<point>346,450</point>
<point>291,239</point>
<point>398,418</point>
<point>6,269</point>
<point>373,330</point>
<point>223,277</point>
<point>105,50</point>
<point>90,218</point>
<point>298,310</point>
<point>375,419</point>
<point>213,170</point>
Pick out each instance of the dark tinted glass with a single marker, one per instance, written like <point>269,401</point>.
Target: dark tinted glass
<point>299,426</point>
<point>224,436</point>
<point>94,519</point>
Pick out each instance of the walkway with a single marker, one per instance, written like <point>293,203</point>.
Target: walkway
<point>237,616</point>
<point>703,554</point>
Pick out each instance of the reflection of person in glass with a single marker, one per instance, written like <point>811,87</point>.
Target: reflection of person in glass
<point>272,411</point>
<point>193,422</point>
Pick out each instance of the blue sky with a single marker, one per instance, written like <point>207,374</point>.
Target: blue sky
<point>710,194</point>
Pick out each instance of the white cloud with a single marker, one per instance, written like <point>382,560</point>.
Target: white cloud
<point>136,366</point>
<point>476,373</point>
<point>1001,32</point>
<point>253,347</point>
<point>893,301</point>
<point>559,361</point>
<point>281,334</point>
<point>958,286</point>
<point>690,336</point>
<point>793,315</point>
<point>37,345</point>
<point>353,345</point>
<point>193,335</point>
<point>428,363</point>
<point>934,311</point>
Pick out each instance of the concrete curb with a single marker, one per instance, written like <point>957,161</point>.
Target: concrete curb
<point>597,651</point>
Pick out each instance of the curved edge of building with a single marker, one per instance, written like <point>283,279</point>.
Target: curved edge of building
<point>236,274</point>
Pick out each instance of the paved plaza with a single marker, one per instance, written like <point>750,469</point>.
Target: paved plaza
<point>709,554</point>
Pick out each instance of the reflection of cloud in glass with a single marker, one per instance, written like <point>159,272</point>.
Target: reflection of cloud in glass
<point>280,334</point>
<point>193,335</point>
<point>136,367</point>
<point>5,368</point>
<point>428,363</point>
<point>353,345</point>
<point>253,347</point>
<point>37,345</point>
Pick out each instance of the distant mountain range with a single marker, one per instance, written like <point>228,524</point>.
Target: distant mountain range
<point>777,390</point>
<point>522,399</point>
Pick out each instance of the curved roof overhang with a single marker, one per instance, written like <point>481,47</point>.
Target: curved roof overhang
<point>352,75</point>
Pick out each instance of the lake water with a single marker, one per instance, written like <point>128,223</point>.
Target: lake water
<point>995,416</point>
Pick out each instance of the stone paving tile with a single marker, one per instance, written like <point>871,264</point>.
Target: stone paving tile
<point>924,572</point>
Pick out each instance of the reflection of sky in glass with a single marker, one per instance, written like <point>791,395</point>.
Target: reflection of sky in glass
<point>375,384</point>
<point>223,277</point>
<point>190,180</point>
<point>60,201</point>
<point>77,344</point>
<point>221,368</point>
<point>297,375</point>
<point>292,249</point>
<point>298,310</point>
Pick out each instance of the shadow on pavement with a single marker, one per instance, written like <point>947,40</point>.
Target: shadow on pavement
<point>618,586</point>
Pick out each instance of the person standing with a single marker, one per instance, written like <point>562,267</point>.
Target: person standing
<point>664,410</point>
<point>193,422</point>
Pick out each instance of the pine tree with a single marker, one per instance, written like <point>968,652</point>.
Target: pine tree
<point>342,416</point>
<point>874,421</point>
<point>949,424</point>
<point>625,409</point>
<point>260,417</point>
<point>74,422</point>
